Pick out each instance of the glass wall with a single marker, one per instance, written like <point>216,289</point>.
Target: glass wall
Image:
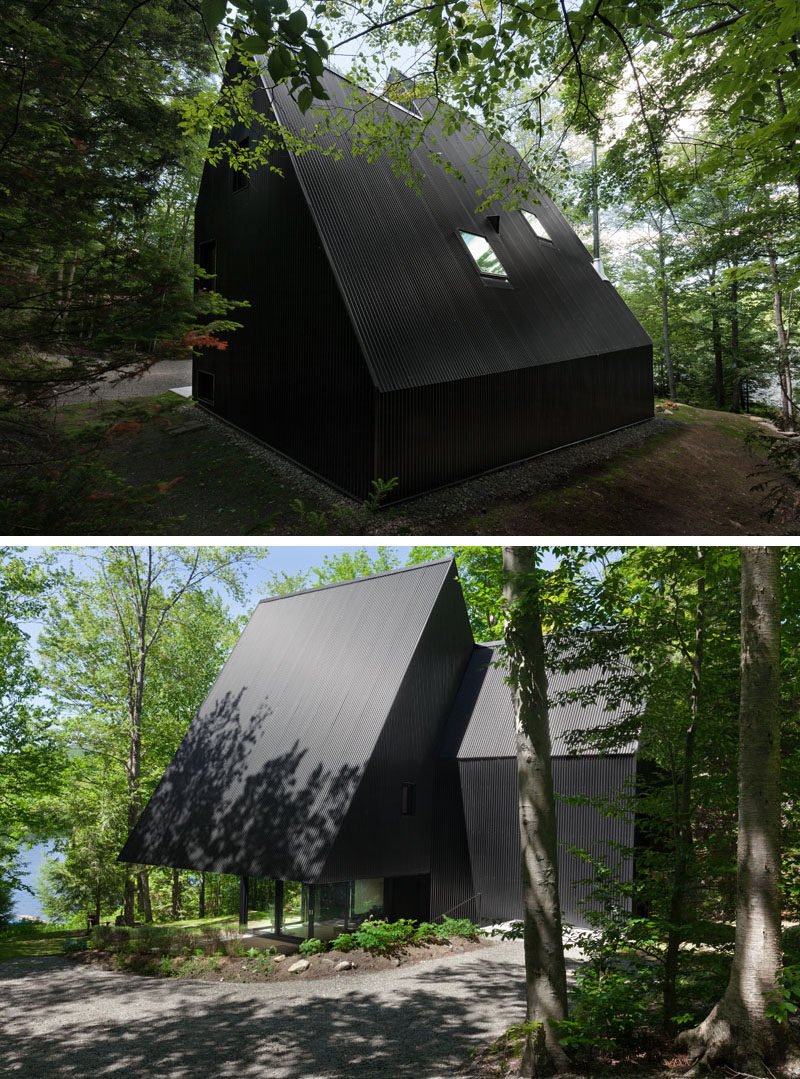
<point>326,910</point>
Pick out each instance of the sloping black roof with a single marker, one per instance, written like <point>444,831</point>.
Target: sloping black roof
<point>482,724</point>
<point>420,309</point>
<point>266,773</point>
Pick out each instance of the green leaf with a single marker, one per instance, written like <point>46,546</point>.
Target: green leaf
<point>313,60</point>
<point>304,99</point>
<point>275,65</point>
<point>484,29</point>
<point>213,12</point>
<point>253,44</point>
<point>298,23</point>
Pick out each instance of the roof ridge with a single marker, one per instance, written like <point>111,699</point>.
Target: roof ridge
<point>358,580</point>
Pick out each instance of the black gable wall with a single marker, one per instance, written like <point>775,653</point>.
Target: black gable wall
<point>293,375</point>
<point>375,839</point>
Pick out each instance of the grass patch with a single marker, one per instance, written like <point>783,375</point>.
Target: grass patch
<point>28,940</point>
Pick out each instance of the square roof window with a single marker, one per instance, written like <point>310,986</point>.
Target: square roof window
<point>537,226</point>
<point>482,251</point>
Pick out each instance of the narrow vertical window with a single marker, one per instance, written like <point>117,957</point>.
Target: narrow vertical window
<point>205,387</point>
<point>408,799</point>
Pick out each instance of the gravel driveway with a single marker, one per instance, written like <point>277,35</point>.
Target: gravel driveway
<point>61,1019</point>
<point>162,376</point>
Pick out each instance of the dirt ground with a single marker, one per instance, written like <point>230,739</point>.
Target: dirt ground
<point>162,466</point>
<point>264,968</point>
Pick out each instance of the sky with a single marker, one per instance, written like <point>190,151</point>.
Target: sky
<point>282,559</point>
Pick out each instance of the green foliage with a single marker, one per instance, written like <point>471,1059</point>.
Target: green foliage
<point>608,1010</point>
<point>312,946</point>
<point>782,1002</point>
<point>74,944</point>
<point>386,938</point>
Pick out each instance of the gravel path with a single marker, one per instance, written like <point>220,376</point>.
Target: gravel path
<point>61,1019</point>
<point>162,376</point>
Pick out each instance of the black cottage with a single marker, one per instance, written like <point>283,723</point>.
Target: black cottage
<point>392,334</point>
<point>358,750</point>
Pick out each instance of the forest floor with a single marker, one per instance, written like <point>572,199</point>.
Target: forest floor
<point>160,465</point>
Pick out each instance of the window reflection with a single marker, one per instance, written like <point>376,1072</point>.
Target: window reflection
<point>484,255</point>
<point>537,226</point>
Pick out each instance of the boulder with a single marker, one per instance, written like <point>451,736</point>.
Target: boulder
<point>343,964</point>
<point>299,966</point>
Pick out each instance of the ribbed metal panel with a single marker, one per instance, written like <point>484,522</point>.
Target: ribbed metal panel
<point>375,839</point>
<point>451,874</point>
<point>318,683</point>
<point>482,720</point>
<point>489,793</point>
<point>420,309</point>
<point>293,375</point>
<point>434,435</point>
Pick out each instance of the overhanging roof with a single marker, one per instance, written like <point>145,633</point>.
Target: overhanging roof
<point>419,308</point>
<point>266,773</point>
<point>482,724</point>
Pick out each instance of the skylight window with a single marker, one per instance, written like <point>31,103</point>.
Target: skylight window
<point>537,226</point>
<point>482,251</point>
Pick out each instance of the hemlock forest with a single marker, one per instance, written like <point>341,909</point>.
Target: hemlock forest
<point>689,965</point>
<point>692,111</point>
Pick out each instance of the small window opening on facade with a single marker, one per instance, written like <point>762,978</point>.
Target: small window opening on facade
<point>408,799</point>
<point>537,226</point>
<point>205,387</point>
<point>207,261</point>
<point>241,180</point>
<point>484,255</point>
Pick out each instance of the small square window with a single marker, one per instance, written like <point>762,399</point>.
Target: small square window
<point>205,387</point>
<point>241,179</point>
<point>408,799</point>
<point>537,226</point>
<point>484,255</point>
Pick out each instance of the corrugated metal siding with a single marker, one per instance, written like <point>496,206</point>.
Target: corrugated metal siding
<point>293,375</point>
<point>267,771</point>
<point>489,791</point>
<point>451,875</point>
<point>375,839</point>
<point>438,434</point>
<point>482,721</point>
<point>420,309</point>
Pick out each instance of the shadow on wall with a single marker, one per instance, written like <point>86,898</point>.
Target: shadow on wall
<point>93,1023</point>
<point>225,805</point>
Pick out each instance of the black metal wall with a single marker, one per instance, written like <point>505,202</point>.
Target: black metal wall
<point>451,874</point>
<point>375,839</point>
<point>293,376</point>
<point>433,435</point>
<point>489,798</point>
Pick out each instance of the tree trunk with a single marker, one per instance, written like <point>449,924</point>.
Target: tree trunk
<point>737,1032</point>
<point>175,898</point>
<point>662,269</point>
<point>145,906</point>
<point>736,397</point>
<point>683,812</point>
<point>784,332</point>
<point>545,972</point>
<point>716,337</point>
<point>201,897</point>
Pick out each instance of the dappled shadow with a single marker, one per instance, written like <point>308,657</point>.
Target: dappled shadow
<point>411,1022</point>
<point>225,804</point>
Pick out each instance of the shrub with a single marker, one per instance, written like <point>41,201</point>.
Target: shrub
<point>74,944</point>
<point>608,1010</point>
<point>312,946</point>
<point>345,942</point>
<point>460,927</point>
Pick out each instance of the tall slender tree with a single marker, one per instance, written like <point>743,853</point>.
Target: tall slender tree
<point>545,970</point>
<point>738,1031</point>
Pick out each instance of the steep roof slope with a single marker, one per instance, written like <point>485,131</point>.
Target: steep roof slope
<point>482,723</point>
<point>421,311</point>
<point>266,773</point>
